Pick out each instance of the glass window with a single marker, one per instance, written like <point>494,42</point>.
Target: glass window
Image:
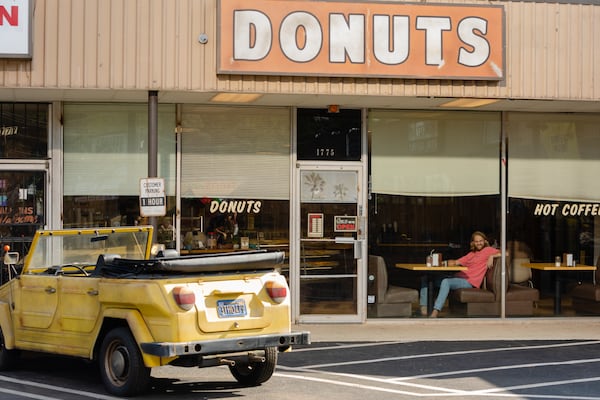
<point>435,180</point>
<point>22,205</point>
<point>235,179</point>
<point>554,203</point>
<point>23,130</point>
<point>434,154</point>
<point>245,157</point>
<point>554,156</point>
<point>327,136</point>
<point>106,155</point>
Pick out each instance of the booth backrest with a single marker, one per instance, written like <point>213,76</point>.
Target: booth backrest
<point>493,278</point>
<point>519,253</point>
<point>377,268</point>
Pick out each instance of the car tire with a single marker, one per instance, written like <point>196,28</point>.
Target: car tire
<point>8,358</point>
<point>121,365</point>
<point>255,373</point>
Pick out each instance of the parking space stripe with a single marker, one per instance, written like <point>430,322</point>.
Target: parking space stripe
<point>368,387</point>
<point>54,388</point>
<point>500,368</point>
<point>450,353</point>
<point>410,386</point>
<point>544,384</point>
<point>20,393</point>
<point>438,391</point>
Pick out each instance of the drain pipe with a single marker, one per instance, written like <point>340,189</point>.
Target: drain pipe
<point>153,147</point>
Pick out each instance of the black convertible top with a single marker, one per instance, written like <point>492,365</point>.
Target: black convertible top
<point>113,265</point>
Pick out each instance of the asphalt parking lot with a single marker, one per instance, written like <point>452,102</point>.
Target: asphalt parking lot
<point>452,369</point>
<point>517,369</point>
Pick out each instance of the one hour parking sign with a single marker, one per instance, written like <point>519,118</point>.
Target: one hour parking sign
<point>153,202</point>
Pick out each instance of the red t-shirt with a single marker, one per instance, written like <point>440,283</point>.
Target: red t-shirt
<point>476,263</point>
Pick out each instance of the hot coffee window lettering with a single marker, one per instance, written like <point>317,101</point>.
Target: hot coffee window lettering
<point>331,136</point>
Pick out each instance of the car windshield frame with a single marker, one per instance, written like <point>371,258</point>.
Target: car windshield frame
<point>84,246</point>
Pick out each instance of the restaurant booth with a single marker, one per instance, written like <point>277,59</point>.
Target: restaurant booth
<point>367,140</point>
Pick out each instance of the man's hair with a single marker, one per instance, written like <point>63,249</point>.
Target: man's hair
<point>485,240</point>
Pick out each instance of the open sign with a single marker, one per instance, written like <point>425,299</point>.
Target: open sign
<point>345,223</point>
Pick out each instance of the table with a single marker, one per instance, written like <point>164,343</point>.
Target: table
<point>552,267</point>
<point>429,272</point>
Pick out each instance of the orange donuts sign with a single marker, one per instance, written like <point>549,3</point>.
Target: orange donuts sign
<point>360,39</point>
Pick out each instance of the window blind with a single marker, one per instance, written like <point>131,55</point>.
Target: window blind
<point>553,156</point>
<point>106,148</point>
<point>417,153</point>
<point>235,152</point>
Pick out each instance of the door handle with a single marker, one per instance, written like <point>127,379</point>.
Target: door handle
<point>50,290</point>
<point>92,292</point>
<point>350,240</point>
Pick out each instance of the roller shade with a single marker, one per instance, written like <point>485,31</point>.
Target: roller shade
<point>554,156</point>
<point>434,153</point>
<point>106,148</point>
<point>235,152</point>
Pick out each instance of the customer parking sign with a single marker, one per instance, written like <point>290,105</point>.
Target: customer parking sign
<point>152,197</point>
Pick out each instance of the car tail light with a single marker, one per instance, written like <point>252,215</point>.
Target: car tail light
<point>184,297</point>
<point>276,290</point>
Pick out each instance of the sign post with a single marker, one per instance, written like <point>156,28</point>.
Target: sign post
<point>153,202</point>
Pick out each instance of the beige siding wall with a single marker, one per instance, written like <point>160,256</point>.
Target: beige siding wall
<point>551,53</point>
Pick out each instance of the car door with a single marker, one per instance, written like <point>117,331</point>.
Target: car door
<point>78,305</point>
<point>36,301</point>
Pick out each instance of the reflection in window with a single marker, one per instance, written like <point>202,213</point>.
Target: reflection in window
<point>435,180</point>
<point>22,207</point>
<point>23,130</point>
<point>209,224</point>
<point>325,136</point>
<point>553,198</point>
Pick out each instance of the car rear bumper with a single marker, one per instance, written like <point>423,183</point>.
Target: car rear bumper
<point>230,345</point>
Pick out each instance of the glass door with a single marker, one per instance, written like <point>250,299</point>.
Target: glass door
<point>330,244</point>
<point>22,210</point>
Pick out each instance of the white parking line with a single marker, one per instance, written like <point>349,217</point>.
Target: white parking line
<point>50,387</point>
<point>449,353</point>
<point>504,367</point>
<point>354,385</point>
<point>437,391</point>
<point>545,384</point>
<point>20,393</point>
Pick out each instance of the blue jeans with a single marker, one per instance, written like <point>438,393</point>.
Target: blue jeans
<point>446,285</point>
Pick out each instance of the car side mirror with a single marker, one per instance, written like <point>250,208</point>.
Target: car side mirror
<point>11,258</point>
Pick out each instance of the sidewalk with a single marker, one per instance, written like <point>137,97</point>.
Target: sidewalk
<point>407,330</point>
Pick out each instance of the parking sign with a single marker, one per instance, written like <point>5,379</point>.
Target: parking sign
<point>153,202</point>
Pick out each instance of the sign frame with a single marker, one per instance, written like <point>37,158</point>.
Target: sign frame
<point>153,201</point>
<point>315,222</point>
<point>17,42</point>
<point>345,223</point>
<point>436,41</point>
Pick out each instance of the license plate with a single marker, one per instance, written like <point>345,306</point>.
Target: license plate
<point>231,308</point>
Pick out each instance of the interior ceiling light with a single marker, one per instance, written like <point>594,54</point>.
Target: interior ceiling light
<point>235,97</point>
<point>469,103</point>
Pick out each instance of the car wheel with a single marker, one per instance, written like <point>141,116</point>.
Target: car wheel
<point>8,358</point>
<point>121,365</point>
<point>255,373</point>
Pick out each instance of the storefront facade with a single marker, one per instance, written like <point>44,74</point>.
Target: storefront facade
<point>343,133</point>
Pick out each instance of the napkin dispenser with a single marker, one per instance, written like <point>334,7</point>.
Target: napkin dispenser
<point>436,259</point>
<point>568,259</point>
